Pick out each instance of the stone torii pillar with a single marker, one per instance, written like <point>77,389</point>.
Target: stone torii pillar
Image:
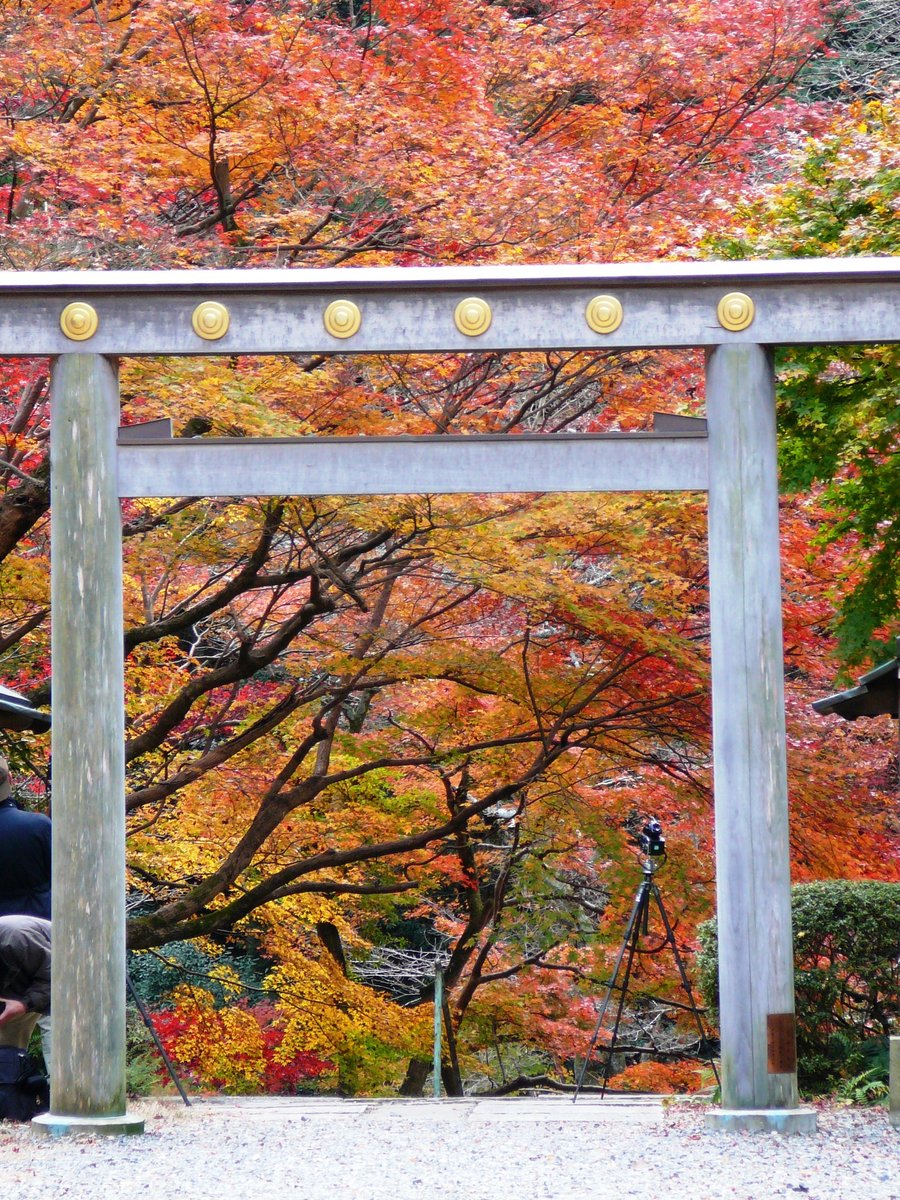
<point>753,885</point>
<point>87,1083</point>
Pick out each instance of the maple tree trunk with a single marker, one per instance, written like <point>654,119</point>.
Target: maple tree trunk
<point>417,1072</point>
<point>222,182</point>
<point>22,507</point>
<point>450,1072</point>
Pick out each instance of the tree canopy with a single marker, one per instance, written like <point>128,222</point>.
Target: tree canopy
<point>838,412</point>
<point>366,733</point>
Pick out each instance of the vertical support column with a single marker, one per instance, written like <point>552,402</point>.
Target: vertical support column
<point>438,1006</point>
<point>87,1086</point>
<point>756,977</point>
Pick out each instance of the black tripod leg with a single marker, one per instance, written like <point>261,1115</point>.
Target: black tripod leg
<point>631,928</point>
<point>159,1046</point>
<point>685,982</point>
<point>640,926</point>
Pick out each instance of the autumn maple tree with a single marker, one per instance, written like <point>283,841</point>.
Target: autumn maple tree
<point>837,406</point>
<point>351,717</point>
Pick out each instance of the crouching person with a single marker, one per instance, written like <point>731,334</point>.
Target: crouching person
<point>24,997</point>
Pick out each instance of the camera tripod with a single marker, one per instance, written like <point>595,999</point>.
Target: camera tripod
<point>638,924</point>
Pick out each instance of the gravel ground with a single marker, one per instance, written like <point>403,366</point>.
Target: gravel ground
<point>458,1150</point>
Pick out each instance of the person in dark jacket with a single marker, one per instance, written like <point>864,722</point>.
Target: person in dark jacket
<point>24,977</point>
<point>24,876</point>
<point>24,856</point>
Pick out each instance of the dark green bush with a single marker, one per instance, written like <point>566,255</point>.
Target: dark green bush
<point>155,974</point>
<point>847,978</point>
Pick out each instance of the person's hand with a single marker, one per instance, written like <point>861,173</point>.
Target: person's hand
<point>11,1009</point>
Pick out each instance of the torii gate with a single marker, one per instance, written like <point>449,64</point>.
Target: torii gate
<point>738,311</point>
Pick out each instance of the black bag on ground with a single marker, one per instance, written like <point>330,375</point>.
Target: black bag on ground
<point>24,1089</point>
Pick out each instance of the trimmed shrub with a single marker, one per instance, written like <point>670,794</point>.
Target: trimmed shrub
<point>156,974</point>
<point>847,978</point>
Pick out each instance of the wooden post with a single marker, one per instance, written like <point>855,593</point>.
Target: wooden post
<point>88,914</point>
<point>438,1006</point>
<point>894,1084</point>
<point>756,979</point>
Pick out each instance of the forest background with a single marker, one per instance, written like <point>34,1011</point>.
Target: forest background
<point>366,736</point>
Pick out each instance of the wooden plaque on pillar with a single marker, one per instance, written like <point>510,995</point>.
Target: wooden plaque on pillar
<point>781,1043</point>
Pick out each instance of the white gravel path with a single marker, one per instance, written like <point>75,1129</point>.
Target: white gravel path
<point>498,1150</point>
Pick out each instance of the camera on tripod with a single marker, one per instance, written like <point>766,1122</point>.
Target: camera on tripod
<point>653,846</point>
<point>652,842</point>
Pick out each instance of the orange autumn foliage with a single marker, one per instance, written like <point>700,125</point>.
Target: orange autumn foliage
<point>665,1078</point>
<point>433,710</point>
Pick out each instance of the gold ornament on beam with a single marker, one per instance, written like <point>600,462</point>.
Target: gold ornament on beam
<point>604,314</point>
<point>79,321</point>
<point>342,318</point>
<point>210,320</point>
<point>735,311</point>
<point>473,316</point>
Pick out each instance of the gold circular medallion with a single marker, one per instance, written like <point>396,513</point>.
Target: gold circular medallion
<point>342,318</point>
<point>210,320</point>
<point>473,316</point>
<point>735,311</point>
<point>79,321</point>
<point>604,314</point>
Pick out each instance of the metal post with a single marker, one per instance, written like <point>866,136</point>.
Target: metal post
<point>438,1006</point>
<point>756,978</point>
<point>87,1086</point>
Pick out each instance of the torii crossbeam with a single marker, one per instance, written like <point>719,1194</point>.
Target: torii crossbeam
<point>738,311</point>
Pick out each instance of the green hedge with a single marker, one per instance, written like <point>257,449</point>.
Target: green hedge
<point>847,978</point>
<point>155,974</point>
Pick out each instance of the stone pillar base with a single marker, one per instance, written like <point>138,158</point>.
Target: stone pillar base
<point>49,1125</point>
<point>762,1120</point>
